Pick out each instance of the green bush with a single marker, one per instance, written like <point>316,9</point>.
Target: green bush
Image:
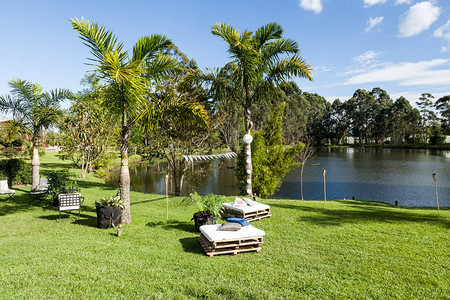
<point>16,170</point>
<point>58,181</point>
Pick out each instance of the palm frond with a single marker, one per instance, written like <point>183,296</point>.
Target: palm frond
<point>267,33</point>
<point>283,69</point>
<point>277,47</point>
<point>147,47</point>
<point>99,40</point>
<point>160,66</point>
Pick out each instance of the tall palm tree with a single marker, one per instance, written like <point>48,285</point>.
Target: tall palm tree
<point>127,81</point>
<point>35,110</point>
<point>262,59</point>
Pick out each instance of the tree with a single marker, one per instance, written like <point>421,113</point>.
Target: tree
<point>306,154</point>
<point>35,110</point>
<point>88,129</point>
<point>262,59</point>
<point>360,109</point>
<point>127,82</point>
<point>381,126</point>
<point>428,116</point>
<point>443,106</point>
<point>176,121</point>
<point>339,125</point>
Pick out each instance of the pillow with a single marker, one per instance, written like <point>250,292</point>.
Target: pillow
<point>241,221</point>
<point>249,201</point>
<point>239,202</point>
<point>230,226</point>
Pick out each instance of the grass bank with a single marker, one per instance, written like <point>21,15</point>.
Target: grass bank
<point>344,249</point>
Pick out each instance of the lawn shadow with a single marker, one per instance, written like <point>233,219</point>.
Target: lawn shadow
<point>367,211</point>
<point>171,225</point>
<point>192,245</point>
<point>84,219</point>
<point>20,202</point>
<point>147,201</point>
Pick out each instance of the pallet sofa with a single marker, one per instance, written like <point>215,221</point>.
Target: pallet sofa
<point>217,242</point>
<point>255,211</point>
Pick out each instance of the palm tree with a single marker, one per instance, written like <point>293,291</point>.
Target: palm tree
<point>127,82</point>
<point>34,110</point>
<point>261,60</point>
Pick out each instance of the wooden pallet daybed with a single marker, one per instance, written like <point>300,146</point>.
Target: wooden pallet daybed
<point>255,212</point>
<point>216,242</point>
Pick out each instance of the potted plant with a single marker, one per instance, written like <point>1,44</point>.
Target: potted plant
<point>109,211</point>
<point>59,182</point>
<point>210,207</point>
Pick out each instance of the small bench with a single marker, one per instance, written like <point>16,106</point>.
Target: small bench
<point>69,202</point>
<point>215,241</point>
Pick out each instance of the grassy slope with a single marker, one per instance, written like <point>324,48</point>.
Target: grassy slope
<point>346,249</point>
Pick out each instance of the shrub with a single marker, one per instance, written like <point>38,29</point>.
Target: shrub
<point>16,170</point>
<point>209,203</point>
<point>58,181</point>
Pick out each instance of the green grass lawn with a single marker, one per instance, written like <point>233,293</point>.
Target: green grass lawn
<point>341,250</point>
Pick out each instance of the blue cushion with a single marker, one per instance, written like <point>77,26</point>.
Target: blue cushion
<point>241,221</point>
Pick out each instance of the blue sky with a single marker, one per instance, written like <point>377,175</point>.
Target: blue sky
<point>402,46</point>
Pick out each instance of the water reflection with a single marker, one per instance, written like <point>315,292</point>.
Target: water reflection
<point>387,175</point>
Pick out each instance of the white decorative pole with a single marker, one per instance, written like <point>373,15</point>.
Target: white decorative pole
<point>324,186</point>
<point>167,197</point>
<point>435,188</point>
<point>248,164</point>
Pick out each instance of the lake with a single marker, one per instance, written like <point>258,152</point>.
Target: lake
<point>386,175</point>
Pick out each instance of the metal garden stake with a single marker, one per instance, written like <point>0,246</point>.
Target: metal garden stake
<point>324,186</point>
<point>435,188</point>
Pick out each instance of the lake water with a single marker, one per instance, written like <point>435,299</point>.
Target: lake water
<point>387,175</point>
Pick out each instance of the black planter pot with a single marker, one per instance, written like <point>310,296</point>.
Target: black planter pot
<point>203,218</point>
<point>108,216</point>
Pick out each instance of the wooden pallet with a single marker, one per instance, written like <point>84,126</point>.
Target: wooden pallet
<point>250,216</point>
<point>230,246</point>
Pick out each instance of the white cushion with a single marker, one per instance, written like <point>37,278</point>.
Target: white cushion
<point>213,233</point>
<point>238,202</point>
<point>246,209</point>
<point>73,207</point>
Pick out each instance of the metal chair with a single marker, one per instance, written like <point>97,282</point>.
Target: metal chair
<point>69,202</point>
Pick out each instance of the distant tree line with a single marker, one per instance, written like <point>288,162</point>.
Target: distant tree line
<point>369,117</point>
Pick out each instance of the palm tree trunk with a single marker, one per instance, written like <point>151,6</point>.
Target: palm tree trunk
<point>124,176</point>
<point>83,168</point>
<point>35,164</point>
<point>248,147</point>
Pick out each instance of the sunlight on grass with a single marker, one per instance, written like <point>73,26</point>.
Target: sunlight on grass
<point>344,249</point>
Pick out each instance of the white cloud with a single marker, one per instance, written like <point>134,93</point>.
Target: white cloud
<point>366,60</point>
<point>419,18</point>
<point>314,5</point>
<point>402,2</point>
<point>368,3</point>
<point>432,72</point>
<point>444,33</point>
<point>372,22</point>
